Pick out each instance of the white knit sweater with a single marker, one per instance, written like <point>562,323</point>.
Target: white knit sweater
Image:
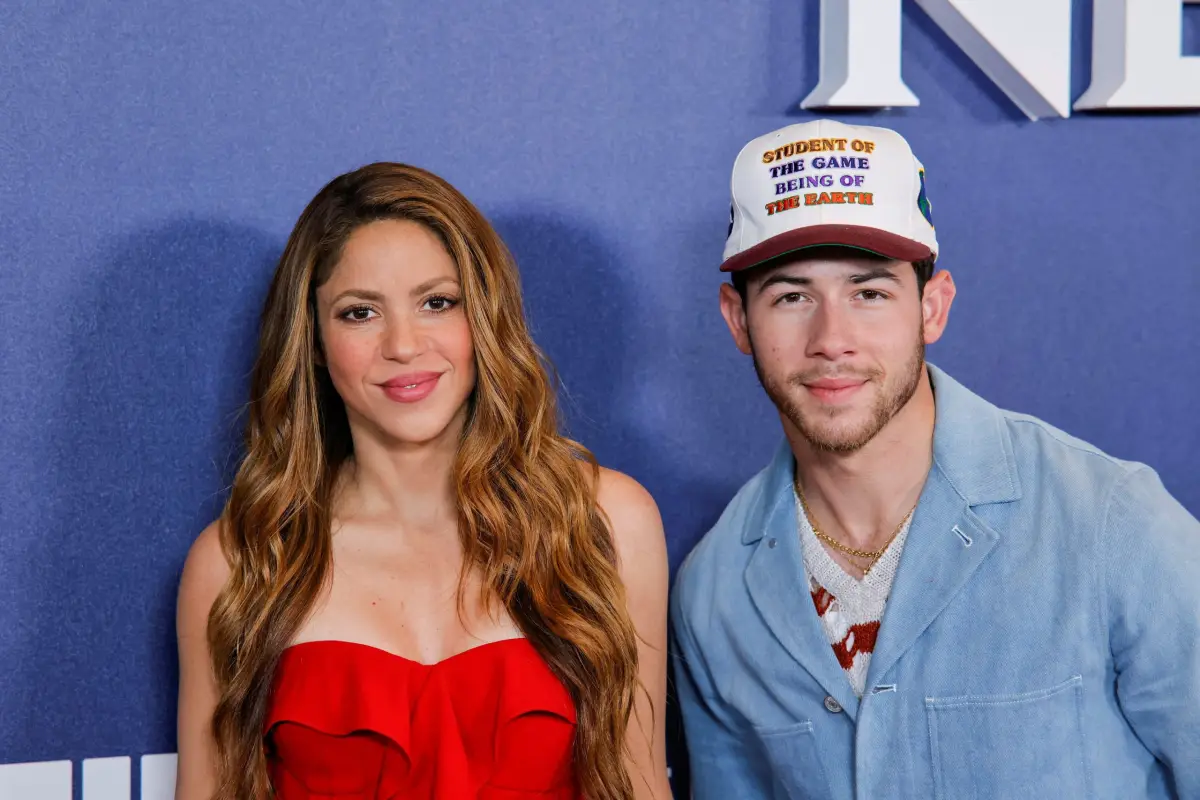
<point>850,609</point>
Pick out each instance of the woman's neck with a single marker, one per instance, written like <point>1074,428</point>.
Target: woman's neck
<point>411,486</point>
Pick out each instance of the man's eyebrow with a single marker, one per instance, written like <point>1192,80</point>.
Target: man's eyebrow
<point>783,277</point>
<point>875,274</point>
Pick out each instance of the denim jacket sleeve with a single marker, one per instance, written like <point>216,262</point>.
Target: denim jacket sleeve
<point>1152,549</point>
<point>721,762</point>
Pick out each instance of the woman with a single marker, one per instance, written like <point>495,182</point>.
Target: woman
<point>418,588</point>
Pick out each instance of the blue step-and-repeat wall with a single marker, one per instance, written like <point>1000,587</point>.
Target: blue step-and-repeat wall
<point>154,156</point>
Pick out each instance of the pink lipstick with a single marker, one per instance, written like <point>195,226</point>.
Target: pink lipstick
<point>411,387</point>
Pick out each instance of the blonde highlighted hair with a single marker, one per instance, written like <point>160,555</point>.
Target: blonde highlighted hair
<point>527,514</point>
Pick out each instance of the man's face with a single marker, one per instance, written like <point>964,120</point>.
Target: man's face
<point>838,340</point>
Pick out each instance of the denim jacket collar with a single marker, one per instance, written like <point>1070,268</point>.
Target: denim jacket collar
<point>971,448</point>
<point>973,465</point>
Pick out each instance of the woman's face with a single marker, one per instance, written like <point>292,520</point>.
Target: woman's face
<point>394,335</point>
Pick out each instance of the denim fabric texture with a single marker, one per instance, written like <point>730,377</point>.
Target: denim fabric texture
<point>1041,640</point>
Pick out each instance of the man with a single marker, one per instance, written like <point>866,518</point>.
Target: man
<point>922,596</point>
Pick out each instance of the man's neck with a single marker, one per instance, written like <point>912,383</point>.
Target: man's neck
<point>860,498</point>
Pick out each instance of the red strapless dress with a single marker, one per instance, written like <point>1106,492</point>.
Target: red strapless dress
<point>352,722</point>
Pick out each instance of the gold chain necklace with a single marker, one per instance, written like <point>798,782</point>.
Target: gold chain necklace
<point>872,555</point>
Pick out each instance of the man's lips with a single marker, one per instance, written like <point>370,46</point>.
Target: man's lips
<point>834,389</point>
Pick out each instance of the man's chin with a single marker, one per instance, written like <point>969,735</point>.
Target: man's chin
<point>852,412</point>
<point>838,430</point>
<point>841,441</point>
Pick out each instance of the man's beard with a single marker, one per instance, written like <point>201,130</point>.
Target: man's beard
<point>833,439</point>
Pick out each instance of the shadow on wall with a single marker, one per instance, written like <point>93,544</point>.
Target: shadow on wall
<point>163,338</point>
<point>584,314</point>
<point>613,356</point>
<point>577,306</point>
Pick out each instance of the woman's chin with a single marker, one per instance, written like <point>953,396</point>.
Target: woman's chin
<point>418,430</point>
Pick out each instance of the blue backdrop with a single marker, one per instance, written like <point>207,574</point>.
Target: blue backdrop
<point>156,154</point>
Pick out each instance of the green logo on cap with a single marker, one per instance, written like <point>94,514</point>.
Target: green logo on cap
<point>923,201</point>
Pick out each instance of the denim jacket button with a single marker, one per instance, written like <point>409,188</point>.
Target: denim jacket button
<point>832,706</point>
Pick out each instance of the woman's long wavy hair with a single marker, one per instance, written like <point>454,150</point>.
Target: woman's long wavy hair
<point>527,514</point>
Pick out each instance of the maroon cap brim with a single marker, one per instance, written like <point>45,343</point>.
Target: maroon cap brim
<point>873,240</point>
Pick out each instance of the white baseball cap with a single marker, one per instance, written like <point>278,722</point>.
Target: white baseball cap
<point>826,183</point>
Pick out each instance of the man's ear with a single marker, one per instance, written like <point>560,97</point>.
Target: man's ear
<point>733,309</point>
<point>935,305</point>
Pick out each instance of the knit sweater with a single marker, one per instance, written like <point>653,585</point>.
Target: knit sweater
<point>850,609</point>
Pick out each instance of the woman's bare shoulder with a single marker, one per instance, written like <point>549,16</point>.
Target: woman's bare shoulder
<point>636,524</point>
<point>205,572</point>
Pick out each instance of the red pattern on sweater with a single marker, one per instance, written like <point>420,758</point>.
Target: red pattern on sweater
<point>862,636</point>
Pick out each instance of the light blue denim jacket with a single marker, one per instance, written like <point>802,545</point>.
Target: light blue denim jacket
<point>1041,640</point>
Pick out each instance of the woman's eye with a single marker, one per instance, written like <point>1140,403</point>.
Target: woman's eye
<point>357,314</point>
<point>440,303</point>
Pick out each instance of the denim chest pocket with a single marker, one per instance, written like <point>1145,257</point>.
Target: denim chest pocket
<point>998,747</point>
<point>795,763</point>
